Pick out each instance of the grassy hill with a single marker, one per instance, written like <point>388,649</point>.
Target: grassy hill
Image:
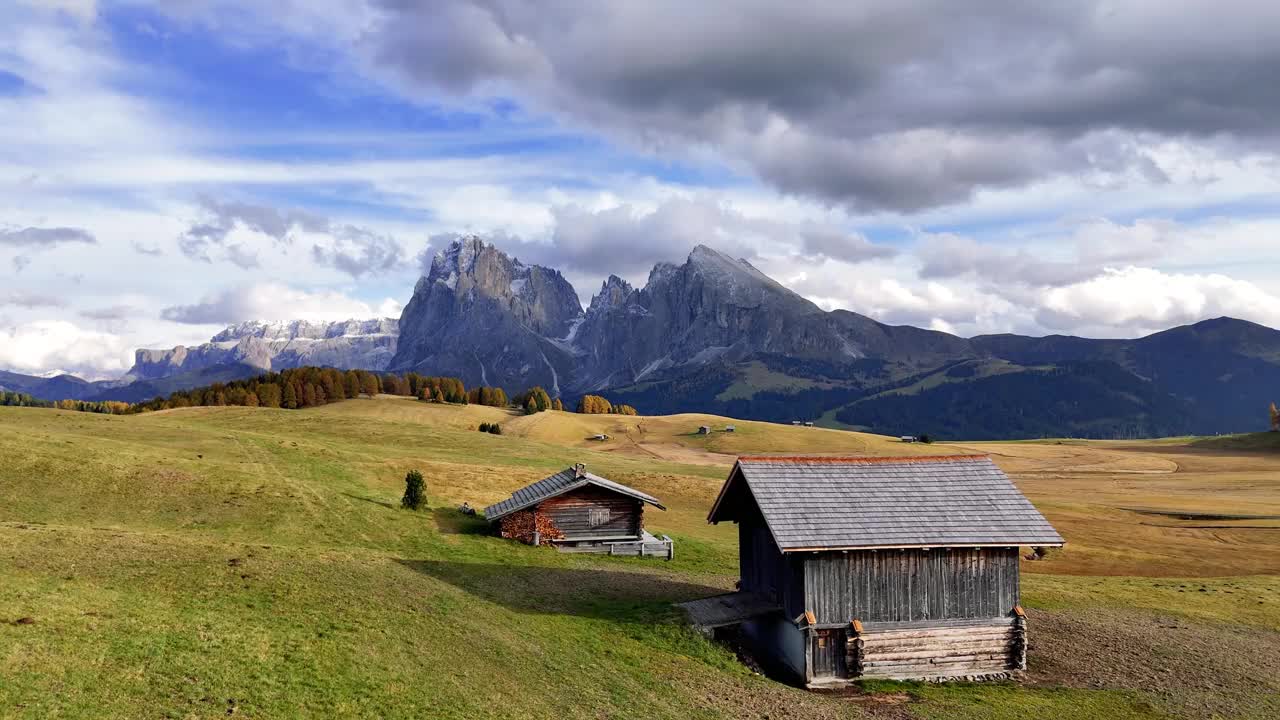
<point>250,562</point>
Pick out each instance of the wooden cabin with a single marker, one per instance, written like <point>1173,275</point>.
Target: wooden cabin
<point>577,511</point>
<point>903,568</point>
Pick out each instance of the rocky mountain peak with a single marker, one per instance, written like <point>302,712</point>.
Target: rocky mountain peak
<point>458,258</point>
<point>614,293</point>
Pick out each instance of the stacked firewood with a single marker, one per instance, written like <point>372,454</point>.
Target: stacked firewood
<point>522,526</point>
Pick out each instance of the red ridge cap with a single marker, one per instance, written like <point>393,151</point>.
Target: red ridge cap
<point>858,459</point>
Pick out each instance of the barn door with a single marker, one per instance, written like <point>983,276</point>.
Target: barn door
<point>828,653</point>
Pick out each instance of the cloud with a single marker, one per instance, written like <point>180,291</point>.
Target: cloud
<point>629,241</point>
<point>950,256</point>
<point>354,250</point>
<point>358,252</point>
<point>271,302</point>
<point>111,313</point>
<point>32,301</point>
<point>843,246</point>
<point>83,10</point>
<point>1123,300</point>
<point>41,238</point>
<point>882,105</point>
<point>220,218</point>
<point>48,345</point>
<point>147,250</point>
<point>1090,248</point>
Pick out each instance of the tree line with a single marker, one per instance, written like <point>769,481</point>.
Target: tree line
<point>598,405</point>
<point>106,407</point>
<point>313,386</point>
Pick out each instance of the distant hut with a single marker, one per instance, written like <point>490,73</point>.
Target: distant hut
<point>575,510</point>
<point>908,438</point>
<point>730,428</point>
<point>877,567</point>
<point>797,423</point>
<point>600,437</point>
<point>808,423</point>
<point>704,430</point>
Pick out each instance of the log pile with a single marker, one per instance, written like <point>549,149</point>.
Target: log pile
<point>523,525</point>
<point>955,651</point>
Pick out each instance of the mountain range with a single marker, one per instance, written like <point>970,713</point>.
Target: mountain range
<point>715,334</point>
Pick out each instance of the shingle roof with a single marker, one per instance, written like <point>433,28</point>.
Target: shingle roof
<point>823,503</point>
<point>559,484</point>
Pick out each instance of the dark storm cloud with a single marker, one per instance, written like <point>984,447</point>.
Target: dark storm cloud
<point>874,105</point>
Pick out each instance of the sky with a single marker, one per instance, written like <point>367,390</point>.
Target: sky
<point>168,167</point>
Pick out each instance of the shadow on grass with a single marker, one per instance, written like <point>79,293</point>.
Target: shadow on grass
<point>451,521</point>
<point>606,594</point>
<point>383,503</point>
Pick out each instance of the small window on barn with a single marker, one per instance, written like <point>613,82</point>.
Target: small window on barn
<point>598,516</point>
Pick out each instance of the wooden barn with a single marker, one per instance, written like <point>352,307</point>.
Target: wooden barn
<point>577,511</point>
<point>877,567</point>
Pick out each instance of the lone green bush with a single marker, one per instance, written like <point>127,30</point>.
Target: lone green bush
<point>415,491</point>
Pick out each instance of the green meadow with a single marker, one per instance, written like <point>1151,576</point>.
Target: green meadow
<point>215,562</point>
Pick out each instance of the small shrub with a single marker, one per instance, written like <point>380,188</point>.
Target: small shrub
<point>486,427</point>
<point>415,491</point>
<point>495,429</point>
<point>925,439</point>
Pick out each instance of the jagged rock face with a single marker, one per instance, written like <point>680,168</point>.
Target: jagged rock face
<point>485,317</point>
<point>712,308</point>
<point>363,344</point>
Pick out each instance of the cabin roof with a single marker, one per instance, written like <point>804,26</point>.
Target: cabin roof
<point>562,482</point>
<point>835,503</point>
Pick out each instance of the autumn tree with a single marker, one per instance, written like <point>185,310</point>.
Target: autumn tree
<point>536,396</point>
<point>1275,418</point>
<point>557,404</point>
<point>594,405</point>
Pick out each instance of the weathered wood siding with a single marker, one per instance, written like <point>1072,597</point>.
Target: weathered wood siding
<point>766,570</point>
<point>571,513</point>
<point>911,585</point>
<point>940,649</point>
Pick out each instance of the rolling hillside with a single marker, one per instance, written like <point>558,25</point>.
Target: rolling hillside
<point>232,561</point>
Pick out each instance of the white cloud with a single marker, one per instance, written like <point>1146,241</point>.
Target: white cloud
<point>273,301</point>
<point>48,345</point>
<point>1123,300</point>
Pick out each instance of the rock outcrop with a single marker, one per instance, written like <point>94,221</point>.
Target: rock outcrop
<point>487,318</point>
<point>364,344</point>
